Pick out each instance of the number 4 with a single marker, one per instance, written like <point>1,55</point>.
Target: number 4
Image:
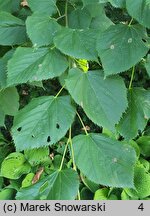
<point>141,207</point>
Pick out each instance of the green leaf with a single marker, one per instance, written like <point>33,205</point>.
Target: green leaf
<point>147,65</point>
<point>9,5</point>
<point>79,19</point>
<point>9,101</point>
<point>3,68</point>
<point>137,114</point>
<point>118,3</point>
<point>142,184</point>
<point>5,5</point>
<point>14,166</point>
<point>99,19</point>
<point>44,121</point>
<point>2,118</point>
<point>101,194</point>
<point>77,43</point>
<point>36,156</point>
<point>7,194</point>
<point>120,47</point>
<point>12,29</point>
<point>41,29</point>
<point>87,2</point>
<point>29,64</point>
<point>105,160</point>
<point>103,100</point>
<point>28,180</point>
<point>140,10</point>
<point>60,185</point>
<point>144,144</point>
<point>47,7</point>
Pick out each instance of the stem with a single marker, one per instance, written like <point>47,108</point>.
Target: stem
<point>132,77</point>
<point>58,11</point>
<point>60,91</point>
<point>63,158</point>
<point>66,13</point>
<point>82,124</point>
<point>61,17</point>
<point>130,22</point>
<point>73,159</point>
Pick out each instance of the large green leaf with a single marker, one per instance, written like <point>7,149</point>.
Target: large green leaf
<point>120,47</point>
<point>41,29</point>
<point>45,6</point>
<point>103,100</point>
<point>137,114</point>
<point>29,64</point>
<point>140,10</point>
<point>9,101</point>
<point>12,29</point>
<point>105,160</point>
<point>60,185</point>
<point>44,121</point>
<point>77,43</point>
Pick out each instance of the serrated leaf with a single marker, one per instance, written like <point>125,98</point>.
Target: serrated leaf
<point>14,166</point>
<point>29,64</point>
<point>120,47</point>
<point>142,183</point>
<point>41,29</point>
<point>140,10</point>
<point>44,121</point>
<point>103,101</point>
<point>60,185</point>
<point>80,44</point>
<point>36,156</point>
<point>9,101</point>
<point>105,160</point>
<point>137,114</point>
<point>45,6</point>
<point>3,68</point>
<point>12,29</point>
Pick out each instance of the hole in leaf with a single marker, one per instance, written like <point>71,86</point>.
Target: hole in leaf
<point>57,126</point>
<point>48,139</point>
<point>144,40</point>
<point>19,129</point>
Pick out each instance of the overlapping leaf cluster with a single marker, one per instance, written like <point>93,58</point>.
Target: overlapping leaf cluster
<point>61,39</point>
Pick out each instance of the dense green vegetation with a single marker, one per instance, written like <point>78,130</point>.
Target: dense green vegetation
<point>74,99</point>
